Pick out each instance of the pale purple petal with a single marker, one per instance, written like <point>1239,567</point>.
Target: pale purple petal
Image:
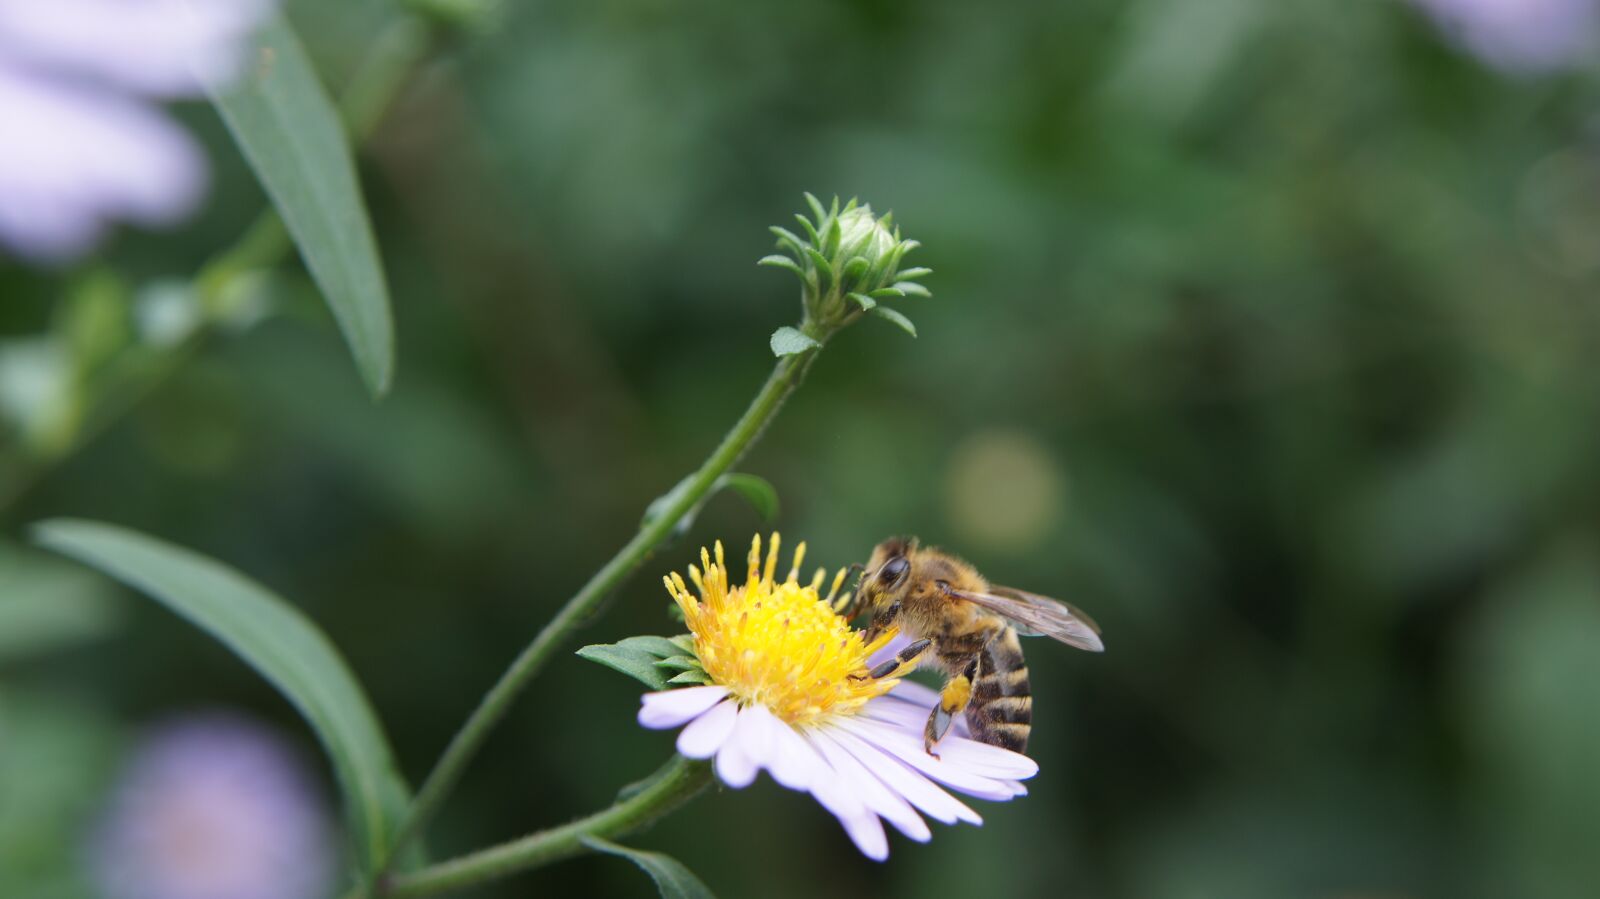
<point>70,158</point>
<point>863,826</point>
<point>756,733</point>
<point>793,761</point>
<point>736,769</point>
<point>212,806</point>
<point>877,797</point>
<point>900,777</point>
<point>910,700</point>
<point>158,47</point>
<point>909,749</point>
<point>706,734</point>
<point>982,758</point>
<point>1520,35</point>
<point>670,708</point>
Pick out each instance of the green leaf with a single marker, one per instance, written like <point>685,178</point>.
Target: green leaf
<point>679,663</point>
<point>787,341</point>
<point>277,641</point>
<point>912,274</point>
<point>862,300</point>
<point>756,491</point>
<point>673,880</point>
<point>912,288</point>
<point>290,133</point>
<point>635,657</point>
<point>894,316</point>
<point>810,229</point>
<point>684,642</point>
<point>691,676</point>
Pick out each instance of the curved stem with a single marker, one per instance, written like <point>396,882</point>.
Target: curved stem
<point>678,781</point>
<point>785,377</point>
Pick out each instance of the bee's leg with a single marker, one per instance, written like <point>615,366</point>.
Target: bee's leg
<point>880,623</point>
<point>906,656</point>
<point>848,606</point>
<point>952,699</point>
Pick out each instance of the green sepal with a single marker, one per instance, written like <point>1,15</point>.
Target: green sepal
<point>894,316</point>
<point>696,676</point>
<point>912,274</point>
<point>679,663</point>
<point>684,642</point>
<point>781,261</point>
<point>862,300</point>
<point>912,288</point>
<point>635,657</point>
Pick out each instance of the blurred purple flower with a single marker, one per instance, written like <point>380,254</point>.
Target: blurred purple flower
<point>213,806</point>
<point>82,141</point>
<point>1520,35</point>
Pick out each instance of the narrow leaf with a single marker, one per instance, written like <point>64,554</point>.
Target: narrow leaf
<point>756,490</point>
<point>894,316</point>
<point>290,133</point>
<point>673,880</point>
<point>787,341</point>
<point>274,638</point>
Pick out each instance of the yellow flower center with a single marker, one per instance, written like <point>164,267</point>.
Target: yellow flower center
<point>779,644</point>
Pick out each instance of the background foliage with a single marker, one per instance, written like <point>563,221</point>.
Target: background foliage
<point>1263,330</point>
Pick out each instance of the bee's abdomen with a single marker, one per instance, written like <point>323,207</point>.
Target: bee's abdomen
<point>1000,711</point>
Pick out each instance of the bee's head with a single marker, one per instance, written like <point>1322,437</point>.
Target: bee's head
<point>888,574</point>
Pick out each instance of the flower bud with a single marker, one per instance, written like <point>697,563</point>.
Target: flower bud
<point>848,264</point>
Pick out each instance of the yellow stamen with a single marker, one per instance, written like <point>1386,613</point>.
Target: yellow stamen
<point>779,644</point>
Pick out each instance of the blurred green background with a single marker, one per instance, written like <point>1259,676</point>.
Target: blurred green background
<point>1265,331</point>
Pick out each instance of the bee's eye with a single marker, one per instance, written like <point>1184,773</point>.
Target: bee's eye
<point>894,571</point>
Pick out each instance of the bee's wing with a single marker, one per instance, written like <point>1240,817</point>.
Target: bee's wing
<point>1033,614</point>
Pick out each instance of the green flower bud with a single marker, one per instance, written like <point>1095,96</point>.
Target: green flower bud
<point>848,264</point>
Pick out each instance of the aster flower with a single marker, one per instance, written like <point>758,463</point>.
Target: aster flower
<point>1520,35</point>
<point>82,142</point>
<point>213,806</point>
<point>782,688</point>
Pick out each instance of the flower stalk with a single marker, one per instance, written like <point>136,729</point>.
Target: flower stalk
<point>672,786</point>
<point>786,375</point>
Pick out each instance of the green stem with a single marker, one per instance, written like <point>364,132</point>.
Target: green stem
<point>678,781</point>
<point>785,377</point>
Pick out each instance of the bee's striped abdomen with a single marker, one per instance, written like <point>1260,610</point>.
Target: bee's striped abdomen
<point>1001,709</point>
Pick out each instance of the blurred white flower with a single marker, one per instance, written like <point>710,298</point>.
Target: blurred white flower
<point>214,806</point>
<point>82,141</point>
<point>1520,35</point>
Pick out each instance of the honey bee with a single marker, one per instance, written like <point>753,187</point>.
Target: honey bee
<point>968,628</point>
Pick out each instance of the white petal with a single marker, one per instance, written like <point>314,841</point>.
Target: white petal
<point>909,700</point>
<point>910,751</point>
<point>900,777</point>
<point>866,831</point>
<point>736,769</point>
<point>1016,787</point>
<point>877,797</point>
<point>756,734</point>
<point>990,761</point>
<point>863,826</point>
<point>793,762</point>
<point>73,157</point>
<point>706,734</point>
<point>670,708</point>
<point>167,47</point>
